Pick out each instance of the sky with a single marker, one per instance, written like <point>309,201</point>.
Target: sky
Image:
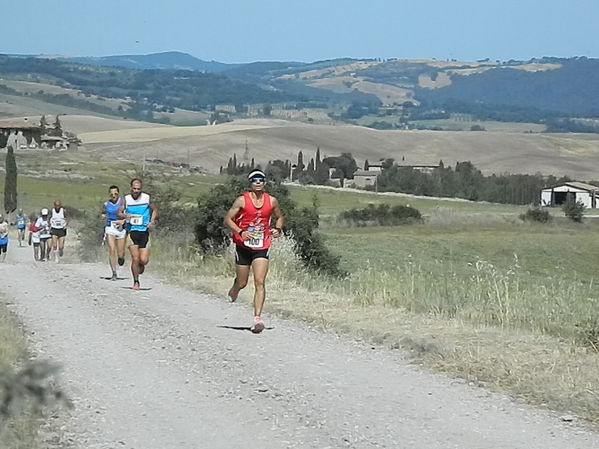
<point>235,31</point>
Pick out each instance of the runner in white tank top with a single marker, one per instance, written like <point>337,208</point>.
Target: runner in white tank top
<point>58,229</point>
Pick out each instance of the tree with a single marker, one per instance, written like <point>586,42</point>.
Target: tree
<point>43,124</point>
<point>10,182</point>
<point>573,209</point>
<point>267,109</point>
<point>57,131</point>
<point>317,159</point>
<point>366,165</point>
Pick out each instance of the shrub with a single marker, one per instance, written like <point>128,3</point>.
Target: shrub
<point>90,227</point>
<point>536,214</point>
<point>301,224</point>
<point>573,209</point>
<point>382,215</point>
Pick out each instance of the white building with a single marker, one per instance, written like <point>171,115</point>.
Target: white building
<point>580,191</point>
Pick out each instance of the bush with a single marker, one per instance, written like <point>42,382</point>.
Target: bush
<point>536,214</point>
<point>573,209</point>
<point>90,228</point>
<point>382,215</point>
<point>301,224</point>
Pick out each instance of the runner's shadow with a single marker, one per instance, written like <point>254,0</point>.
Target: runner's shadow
<point>141,289</point>
<point>240,328</point>
<point>109,278</point>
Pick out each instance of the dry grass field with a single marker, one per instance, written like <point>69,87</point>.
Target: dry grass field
<point>574,155</point>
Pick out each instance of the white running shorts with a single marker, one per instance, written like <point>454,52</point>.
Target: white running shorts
<point>116,233</point>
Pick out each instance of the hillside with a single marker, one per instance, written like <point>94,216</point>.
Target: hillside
<point>396,93</point>
<point>575,155</point>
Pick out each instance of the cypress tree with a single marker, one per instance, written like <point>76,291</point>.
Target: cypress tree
<point>10,182</point>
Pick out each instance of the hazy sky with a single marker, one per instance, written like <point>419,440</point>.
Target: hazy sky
<point>304,30</point>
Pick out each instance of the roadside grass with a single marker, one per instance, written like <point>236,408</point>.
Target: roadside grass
<point>22,431</point>
<point>511,307</point>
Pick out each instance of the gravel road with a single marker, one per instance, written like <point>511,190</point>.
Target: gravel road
<point>170,368</point>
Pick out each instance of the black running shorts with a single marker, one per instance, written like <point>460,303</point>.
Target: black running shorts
<point>58,232</point>
<point>139,238</point>
<point>245,256</point>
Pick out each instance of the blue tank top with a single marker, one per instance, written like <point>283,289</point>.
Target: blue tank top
<point>140,211</point>
<point>21,220</point>
<point>110,209</point>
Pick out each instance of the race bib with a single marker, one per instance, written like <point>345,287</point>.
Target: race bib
<point>256,240</point>
<point>44,231</point>
<point>136,220</point>
<point>57,222</point>
<point>20,221</point>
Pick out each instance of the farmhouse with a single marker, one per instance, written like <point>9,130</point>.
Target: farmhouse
<point>20,134</point>
<point>364,178</point>
<point>579,191</point>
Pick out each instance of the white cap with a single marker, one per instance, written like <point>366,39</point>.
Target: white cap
<point>44,211</point>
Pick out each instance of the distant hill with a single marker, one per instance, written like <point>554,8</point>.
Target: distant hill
<point>385,94</point>
<point>170,60</point>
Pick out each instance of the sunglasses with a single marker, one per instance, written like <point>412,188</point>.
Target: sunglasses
<point>257,179</point>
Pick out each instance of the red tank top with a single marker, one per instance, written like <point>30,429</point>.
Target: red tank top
<point>256,221</point>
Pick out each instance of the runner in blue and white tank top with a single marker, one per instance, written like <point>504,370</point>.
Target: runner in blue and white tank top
<point>3,238</point>
<point>140,214</point>
<point>114,230</point>
<point>21,225</point>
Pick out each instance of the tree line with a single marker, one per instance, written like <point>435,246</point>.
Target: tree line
<point>465,181</point>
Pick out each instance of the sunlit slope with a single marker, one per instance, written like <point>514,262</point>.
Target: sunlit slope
<point>576,155</point>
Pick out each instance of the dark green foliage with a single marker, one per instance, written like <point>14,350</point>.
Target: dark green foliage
<point>10,182</point>
<point>382,215</point>
<point>300,223</point>
<point>210,231</point>
<point>536,214</point>
<point>519,95</point>
<point>465,181</point>
<point>573,210</point>
<point>3,139</point>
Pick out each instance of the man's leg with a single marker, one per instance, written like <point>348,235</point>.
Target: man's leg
<point>260,270</point>
<point>54,246</point>
<point>134,251</point>
<point>242,273</point>
<point>112,254</point>
<point>120,251</point>
<point>61,241</point>
<point>144,259</point>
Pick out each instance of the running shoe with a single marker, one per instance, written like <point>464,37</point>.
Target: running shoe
<point>135,286</point>
<point>233,294</point>
<point>114,277</point>
<point>121,261</point>
<point>258,325</point>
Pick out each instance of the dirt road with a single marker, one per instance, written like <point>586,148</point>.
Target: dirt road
<point>169,368</point>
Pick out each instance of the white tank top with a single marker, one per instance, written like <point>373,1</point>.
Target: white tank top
<point>57,220</point>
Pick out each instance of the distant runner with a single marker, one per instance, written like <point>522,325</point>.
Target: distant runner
<point>3,238</point>
<point>58,229</point>
<point>114,230</point>
<point>21,225</point>
<point>43,226</point>
<point>249,219</point>
<point>34,238</point>
<point>140,214</point>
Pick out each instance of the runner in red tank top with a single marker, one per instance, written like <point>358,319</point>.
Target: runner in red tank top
<point>249,218</point>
